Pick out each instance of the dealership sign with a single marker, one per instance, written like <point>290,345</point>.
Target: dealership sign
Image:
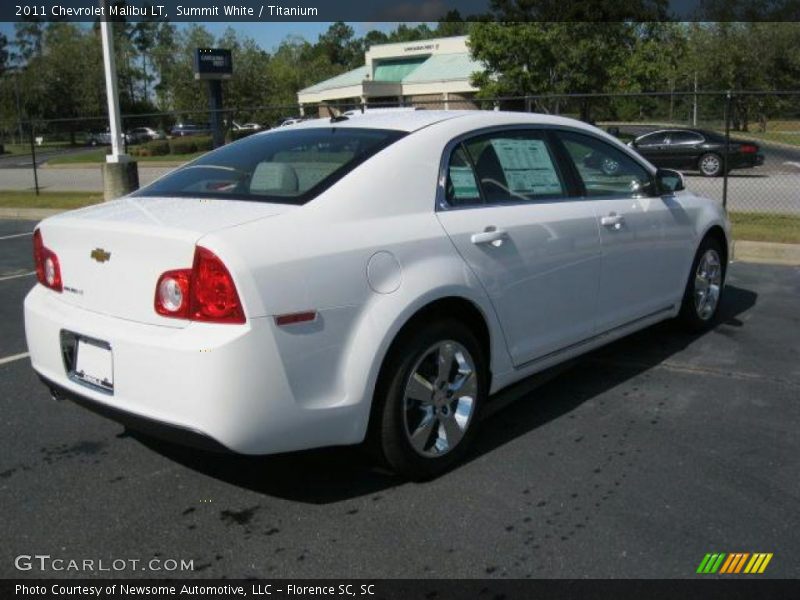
<point>212,63</point>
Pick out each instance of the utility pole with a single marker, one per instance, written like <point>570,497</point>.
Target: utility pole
<point>112,94</point>
<point>120,174</point>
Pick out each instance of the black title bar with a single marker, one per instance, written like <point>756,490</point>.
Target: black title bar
<point>708,588</point>
<point>399,10</point>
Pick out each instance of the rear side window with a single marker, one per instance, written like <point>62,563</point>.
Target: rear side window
<point>604,169</point>
<point>462,187</point>
<point>502,168</point>
<point>290,166</point>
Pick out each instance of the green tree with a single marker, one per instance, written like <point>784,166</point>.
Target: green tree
<point>144,38</point>
<point>4,54</point>
<point>340,45</point>
<point>549,58</point>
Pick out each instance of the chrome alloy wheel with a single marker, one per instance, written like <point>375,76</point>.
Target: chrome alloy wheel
<point>440,398</point>
<point>710,164</point>
<point>707,284</point>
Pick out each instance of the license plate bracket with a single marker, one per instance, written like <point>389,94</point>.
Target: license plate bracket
<point>88,361</point>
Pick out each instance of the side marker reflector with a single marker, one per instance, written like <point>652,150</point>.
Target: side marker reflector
<point>292,318</point>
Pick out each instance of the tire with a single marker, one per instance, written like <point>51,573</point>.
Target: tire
<point>710,164</point>
<point>417,410</point>
<point>704,289</point>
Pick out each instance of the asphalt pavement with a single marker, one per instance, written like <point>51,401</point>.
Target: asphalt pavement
<point>635,462</point>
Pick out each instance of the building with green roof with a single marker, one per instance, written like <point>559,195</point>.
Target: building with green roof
<point>432,73</point>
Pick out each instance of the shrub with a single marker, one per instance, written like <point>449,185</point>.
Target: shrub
<point>183,145</point>
<point>203,143</point>
<point>157,147</point>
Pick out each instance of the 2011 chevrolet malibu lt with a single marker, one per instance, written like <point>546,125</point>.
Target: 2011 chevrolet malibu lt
<point>365,279</point>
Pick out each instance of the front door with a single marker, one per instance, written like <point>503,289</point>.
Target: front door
<point>535,249</point>
<point>654,147</point>
<point>638,267</point>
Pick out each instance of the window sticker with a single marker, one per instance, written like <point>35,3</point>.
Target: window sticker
<point>528,167</point>
<point>463,180</point>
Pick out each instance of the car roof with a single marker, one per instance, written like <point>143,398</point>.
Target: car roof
<point>409,121</point>
<point>704,132</point>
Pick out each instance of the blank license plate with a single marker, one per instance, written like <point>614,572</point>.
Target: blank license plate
<point>94,365</point>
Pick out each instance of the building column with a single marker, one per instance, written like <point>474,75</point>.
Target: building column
<point>446,96</point>
<point>302,110</point>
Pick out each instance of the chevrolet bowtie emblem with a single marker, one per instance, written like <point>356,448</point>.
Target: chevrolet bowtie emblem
<point>100,255</point>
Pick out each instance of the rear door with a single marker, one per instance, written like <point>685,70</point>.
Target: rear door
<point>510,211</point>
<point>640,265</point>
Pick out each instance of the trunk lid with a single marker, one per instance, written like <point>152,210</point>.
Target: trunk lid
<point>112,254</point>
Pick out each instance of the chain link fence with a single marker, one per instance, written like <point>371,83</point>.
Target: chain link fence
<point>739,148</point>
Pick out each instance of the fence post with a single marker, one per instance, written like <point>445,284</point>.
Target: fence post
<point>33,161</point>
<point>727,147</point>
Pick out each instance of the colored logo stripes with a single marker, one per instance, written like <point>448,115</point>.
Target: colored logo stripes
<point>737,562</point>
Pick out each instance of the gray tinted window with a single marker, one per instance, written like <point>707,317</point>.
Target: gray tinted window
<point>652,139</point>
<point>604,169</point>
<point>684,137</point>
<point>289,166</point>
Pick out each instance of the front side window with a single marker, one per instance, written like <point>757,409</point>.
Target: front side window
<point>605,170</point>
<point>291,166</point>
<point>653,139</point>
<point>684,137</point>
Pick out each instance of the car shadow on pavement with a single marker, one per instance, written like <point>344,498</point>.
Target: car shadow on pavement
<point>329,475</point>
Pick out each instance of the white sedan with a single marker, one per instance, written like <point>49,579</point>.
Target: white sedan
<point>373,279</point>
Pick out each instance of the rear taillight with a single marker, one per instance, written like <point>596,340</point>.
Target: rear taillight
<point>48,271</point>
<point>172,293</point>
<point>748,149</point>
<point>206,292</point>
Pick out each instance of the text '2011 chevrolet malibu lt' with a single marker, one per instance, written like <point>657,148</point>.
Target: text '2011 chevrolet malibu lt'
<point>371,279</point>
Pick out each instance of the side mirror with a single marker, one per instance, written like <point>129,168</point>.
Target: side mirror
<point>669,181</point>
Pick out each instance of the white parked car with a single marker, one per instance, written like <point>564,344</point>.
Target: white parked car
<point>372,279</point>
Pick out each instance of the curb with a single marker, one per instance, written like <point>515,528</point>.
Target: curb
<point>33,214</point>
<point>766,253</point>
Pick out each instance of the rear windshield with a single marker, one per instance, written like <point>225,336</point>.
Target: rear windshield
<point>291,166</point>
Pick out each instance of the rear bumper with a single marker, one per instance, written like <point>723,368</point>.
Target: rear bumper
<point>231,384</point>
<point>156,429</point>
<point>744,161</point>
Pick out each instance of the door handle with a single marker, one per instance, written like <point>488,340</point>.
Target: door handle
<point>613,221</point>
<point>491,235</point>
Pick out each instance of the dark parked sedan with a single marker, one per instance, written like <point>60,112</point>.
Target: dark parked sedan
<point>696,149</point>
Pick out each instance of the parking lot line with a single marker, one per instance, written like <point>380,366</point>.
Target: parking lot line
<point>17,276</point>
<point>15,235</point>
<point>13,357</point>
